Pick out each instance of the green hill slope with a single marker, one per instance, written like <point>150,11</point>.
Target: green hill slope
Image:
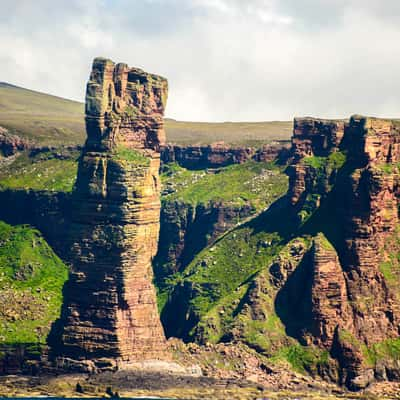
<point>51,120</point>
<point>31,281</point>
<point>43,118</point>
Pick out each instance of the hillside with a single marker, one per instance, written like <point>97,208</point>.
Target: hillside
<point>53,120</point>
<point>40,117</point>
<point>32,277</point>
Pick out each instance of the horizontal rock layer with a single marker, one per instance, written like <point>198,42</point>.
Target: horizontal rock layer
<point>110,315</point>
<point>220,155</point>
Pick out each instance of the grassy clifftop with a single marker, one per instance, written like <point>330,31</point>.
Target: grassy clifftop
<point>45,171</point>
<point>254,183</point>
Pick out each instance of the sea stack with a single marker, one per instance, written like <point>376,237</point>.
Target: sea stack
<point>110,317</point>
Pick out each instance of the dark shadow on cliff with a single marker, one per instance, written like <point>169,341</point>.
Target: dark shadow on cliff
<point>177,316</point>
<point>293,301</point>
<point>54,338</point>
<point>196,222</point>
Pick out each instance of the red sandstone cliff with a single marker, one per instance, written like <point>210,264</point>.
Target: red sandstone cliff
<point>354,305</point>
<point>220,155</point>
<point>110,315</point>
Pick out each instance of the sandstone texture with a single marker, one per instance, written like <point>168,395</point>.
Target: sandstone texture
<point>354,310</point>
<point>110,316</point>
<point>313,279</point>
<point>220,155</point>
<point>11,144</point>
<point>315,137</point>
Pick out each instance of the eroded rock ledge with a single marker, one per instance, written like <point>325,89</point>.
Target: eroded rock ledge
<point>220,154</point>
<point>109,317</point>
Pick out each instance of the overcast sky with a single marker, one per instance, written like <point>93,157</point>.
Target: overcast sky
<point>225,60</point>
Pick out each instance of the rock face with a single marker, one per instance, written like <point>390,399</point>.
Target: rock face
<point>315,137</point>
<point>311,138</point>
<point>11,144</point>
<point>110,316</point>
<point>329,293</point>
<point>354,303</point>
<point>220,155</point>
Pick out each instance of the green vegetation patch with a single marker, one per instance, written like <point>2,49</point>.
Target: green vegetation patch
<point>257,184</point>
<point>390,264</point>
<point>302,358</point>
<point>334,161</point>
<point>219,277</point>
<point>387,350</point>
<point>45,119</point>
<point>323,242</point>
<point>131,156</point>
<point>238,133</point>
<point>42,172</point>
<point>31,281</point>
<point>227,264</point>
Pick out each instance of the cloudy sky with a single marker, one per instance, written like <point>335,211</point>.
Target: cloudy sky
<point>225,60</point>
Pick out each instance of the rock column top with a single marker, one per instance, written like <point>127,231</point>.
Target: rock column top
<point>316,137</point>
<point>124,106</point>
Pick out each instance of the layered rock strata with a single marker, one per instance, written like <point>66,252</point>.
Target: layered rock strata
<point>220,155</point>
<point>354,305</point>
<point>110,316</point>
<point>316,137</point>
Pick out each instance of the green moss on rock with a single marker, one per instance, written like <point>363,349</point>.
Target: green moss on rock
<point>126,154</point>
<point>258,184</point>
<point>303,358</point>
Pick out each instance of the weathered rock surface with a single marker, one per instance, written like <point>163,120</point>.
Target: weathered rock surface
<point>11,144</point>
<point>110,316</point>
<point>315,137</point>
<point>330,309</point>
<point>220,155</point>
<point>354,307</point>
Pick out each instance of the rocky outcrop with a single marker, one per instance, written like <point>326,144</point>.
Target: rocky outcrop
<point>353,305</point>
<point>330,308</point>
<point>315,137</point>
<point>220,155</point>
<point>312,138</point>
<point>110,316</point>
<point>11,144</point>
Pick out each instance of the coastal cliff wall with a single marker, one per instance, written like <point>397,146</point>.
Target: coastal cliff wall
<point>354,302</point>
<point>221,155</point>
<point>317,271</point>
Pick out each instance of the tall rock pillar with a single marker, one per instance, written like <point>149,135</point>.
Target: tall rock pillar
<point>110,315</point>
